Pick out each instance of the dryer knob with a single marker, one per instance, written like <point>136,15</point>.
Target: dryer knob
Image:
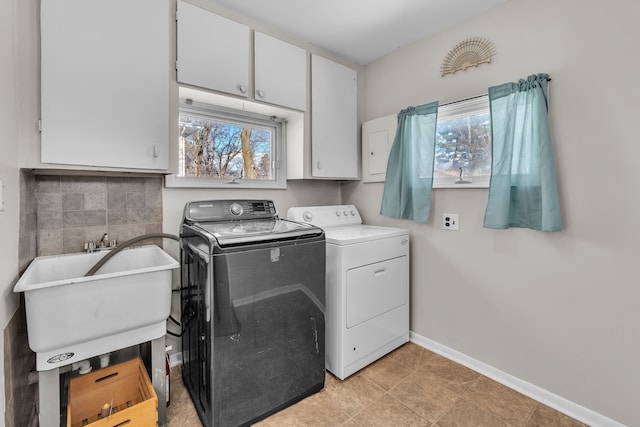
<point>338,213</point>
<point>346,213</point>
<point>236,209</point>
<point>353,213</point>
<point>307,216</point>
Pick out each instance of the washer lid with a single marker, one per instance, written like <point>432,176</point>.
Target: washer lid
<point>351,234</point>
<point>229,233</point>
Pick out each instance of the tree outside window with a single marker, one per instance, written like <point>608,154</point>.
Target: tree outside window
<point>221,149</point>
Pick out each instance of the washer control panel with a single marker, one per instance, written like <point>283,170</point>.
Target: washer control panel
<point>226,210</point>
<point>326,216</point>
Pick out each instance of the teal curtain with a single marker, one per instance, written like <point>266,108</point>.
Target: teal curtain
<point>523,191</point>
<point>407,189</point>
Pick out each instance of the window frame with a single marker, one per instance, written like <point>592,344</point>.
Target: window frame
<point>224,114</point>
<point>466,107</point>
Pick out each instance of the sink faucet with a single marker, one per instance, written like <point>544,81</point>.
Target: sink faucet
<point>103,245</point>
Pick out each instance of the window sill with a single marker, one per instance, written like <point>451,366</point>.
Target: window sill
<point>476,183</point>
<point>173,181</point>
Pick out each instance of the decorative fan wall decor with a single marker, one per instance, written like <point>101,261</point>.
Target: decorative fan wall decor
<point>468,53</point>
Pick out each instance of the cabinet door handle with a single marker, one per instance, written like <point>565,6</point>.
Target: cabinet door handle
<point>242,88</point>
<point>156,151</point>
<point>260,93</point>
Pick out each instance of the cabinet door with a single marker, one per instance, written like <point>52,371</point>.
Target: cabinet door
<point>334,92</point>
<point>213,51</point>
<point>105,82</point>
<point>280,72</point>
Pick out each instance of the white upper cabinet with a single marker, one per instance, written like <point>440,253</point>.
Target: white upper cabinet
<point>105,83</point>
<point>280,72</point>
<point>213,51</point>
<point>334,119</point>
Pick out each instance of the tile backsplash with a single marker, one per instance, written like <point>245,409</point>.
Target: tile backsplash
<point>28,229</point>
<point>74,210</point>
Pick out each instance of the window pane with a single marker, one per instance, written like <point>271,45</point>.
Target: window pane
<point>463,144</point>
<point>222,149</point>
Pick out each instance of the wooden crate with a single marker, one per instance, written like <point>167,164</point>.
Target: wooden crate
<point>126,386</point>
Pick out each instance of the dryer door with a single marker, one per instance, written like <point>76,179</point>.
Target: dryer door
<point>375,289</point>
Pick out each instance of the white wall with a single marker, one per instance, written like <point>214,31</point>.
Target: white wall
<point>559,310</point>
<point>9,216</point>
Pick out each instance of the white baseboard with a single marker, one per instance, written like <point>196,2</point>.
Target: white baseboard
<point>556,402</point>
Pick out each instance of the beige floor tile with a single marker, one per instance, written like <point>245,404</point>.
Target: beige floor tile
<point>500,400</point>
<point>351,423</point>
<point>427,400</point>
<point>317,410</point>
<point>411,355</point>
<point>180,412</point>
<point>466,414</point>
<point>449,374</point>
<point>543,416</point>
<point>388,412</point>
<point>441,392</point>
<point>354,393</point>
<point>386,373</point>
<point>331,381</point>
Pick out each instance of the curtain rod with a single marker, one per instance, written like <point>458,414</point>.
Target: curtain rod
<point>470,98</point>
<point>463,100</point>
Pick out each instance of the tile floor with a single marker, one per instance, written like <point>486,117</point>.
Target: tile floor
<point>411,386</point>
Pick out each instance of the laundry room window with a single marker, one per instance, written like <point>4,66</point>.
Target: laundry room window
<point>463,144</point>
<point>223,147</point>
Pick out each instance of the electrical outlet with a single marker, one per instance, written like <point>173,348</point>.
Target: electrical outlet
<point>450,221</point>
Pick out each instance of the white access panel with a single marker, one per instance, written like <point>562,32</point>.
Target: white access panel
<point>377,138</point>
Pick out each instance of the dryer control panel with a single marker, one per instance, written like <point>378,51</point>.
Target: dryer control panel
<point>326,216</point>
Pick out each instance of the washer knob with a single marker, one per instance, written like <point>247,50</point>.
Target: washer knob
<point>338,213</point>
<point>236,209</point>
<point>307,216</point>
<point>353,213</point>
<point>346,213</point>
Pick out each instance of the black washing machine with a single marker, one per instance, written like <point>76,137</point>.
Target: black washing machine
<point>253,310</point>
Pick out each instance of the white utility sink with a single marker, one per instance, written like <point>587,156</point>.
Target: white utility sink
<point>71,317</point>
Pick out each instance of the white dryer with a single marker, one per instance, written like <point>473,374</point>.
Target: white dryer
<point>367,286</point>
